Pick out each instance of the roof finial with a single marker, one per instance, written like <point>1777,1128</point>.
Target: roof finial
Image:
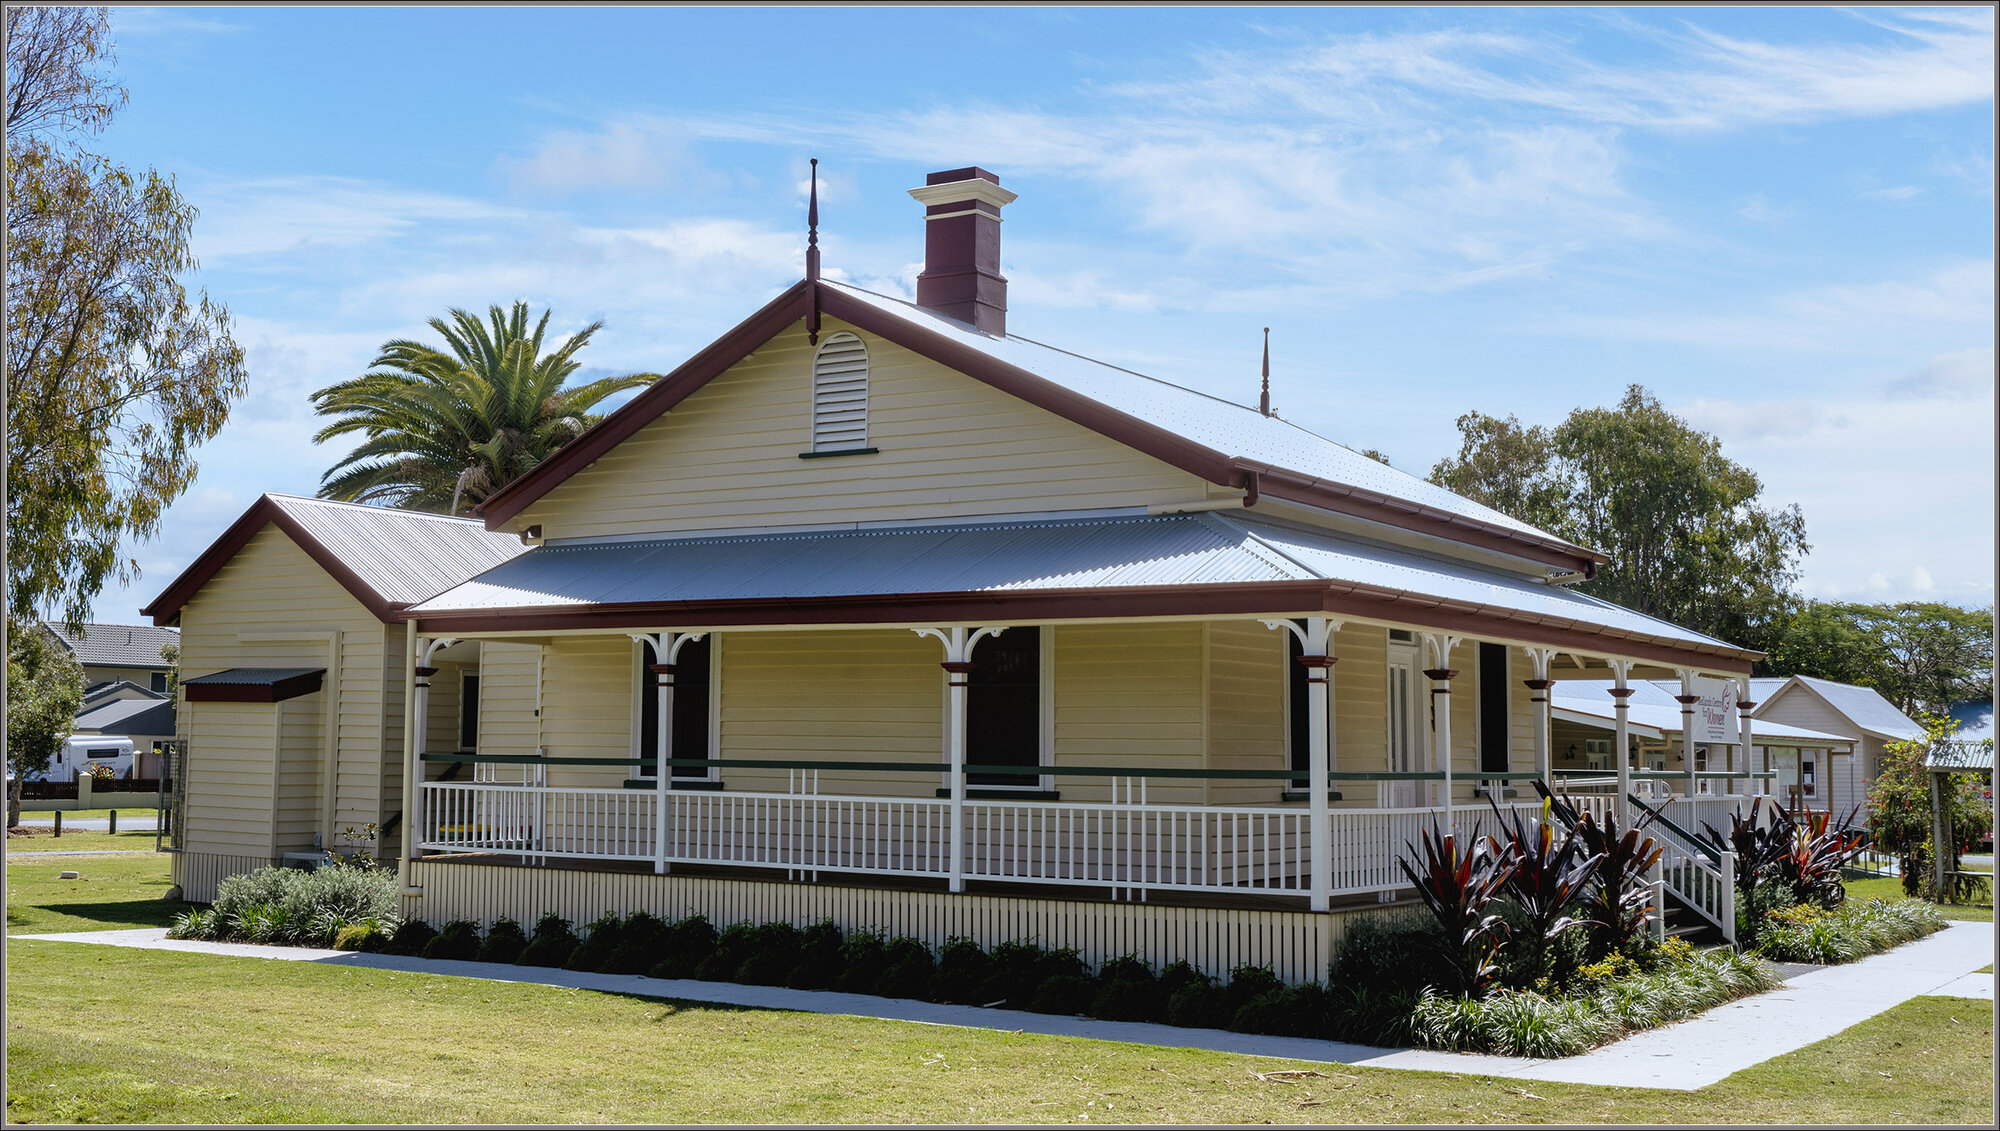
<point>812,257</point>
<point>1264,401</point>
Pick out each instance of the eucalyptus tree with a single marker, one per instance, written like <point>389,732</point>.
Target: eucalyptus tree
<point>116,370</point>
<point>444,428</point>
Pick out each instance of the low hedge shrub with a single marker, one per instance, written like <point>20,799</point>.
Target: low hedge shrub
<point>458,940</point>
<point>505,941</point>
<point>1806,932</point>
<point>552,944</point>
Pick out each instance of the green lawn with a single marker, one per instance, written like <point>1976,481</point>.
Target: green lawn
<point>110,892</point>
<point>78,840</point>
<point>1891,887</point>
<point>232,1040</point>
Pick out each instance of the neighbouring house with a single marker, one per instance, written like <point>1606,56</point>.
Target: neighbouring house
<point>873,611</point>
<point>1794,764</point>
<point>1858,714</point>
<point>114,653</point>
<point>148,722</point>
<point>125,685</point>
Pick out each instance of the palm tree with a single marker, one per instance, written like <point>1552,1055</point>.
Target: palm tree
<point>442,427</point>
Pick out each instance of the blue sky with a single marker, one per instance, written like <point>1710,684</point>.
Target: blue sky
<point>1778,220</point>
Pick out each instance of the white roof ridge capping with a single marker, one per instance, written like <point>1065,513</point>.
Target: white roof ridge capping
<point>1244,435</point>
<point>371,508</point>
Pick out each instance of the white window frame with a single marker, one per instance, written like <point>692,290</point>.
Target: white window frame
<point>643,682</point>
<point>1046,756</point>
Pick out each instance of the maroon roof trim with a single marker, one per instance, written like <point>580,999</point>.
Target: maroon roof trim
<point>272,691</point>
<point>643,409</point>
<point>1247,598</point>
<point>166,608</point>
<point>1166,446</point>
<point>1343,498</point>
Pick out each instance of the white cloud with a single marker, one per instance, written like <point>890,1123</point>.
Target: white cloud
<point>1897,495</point>
<point>1757,210</point>
<point>1952,375</point>
<point>1956,299</point>
<point>634,153</point>
<point>293,214</point>
<point>151,21</point>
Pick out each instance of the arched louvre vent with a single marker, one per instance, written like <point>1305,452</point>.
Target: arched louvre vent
<point>840,394</point>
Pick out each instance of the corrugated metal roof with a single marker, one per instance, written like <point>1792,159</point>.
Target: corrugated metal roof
<point>1960,756</point>
<point>404,556</point>
<point>129,716</point>
<point>1865,708</point>
<point>1338,558</point>
<point>1235,430</point>
<point>117,645</point>
<point>1053,554</point>
<point>1183,549</point>
<point>248,677</point>
<point>1652,705</point>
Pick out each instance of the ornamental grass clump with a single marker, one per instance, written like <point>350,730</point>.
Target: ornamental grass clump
<point>1807,933</point>
<point>1512,1022</point>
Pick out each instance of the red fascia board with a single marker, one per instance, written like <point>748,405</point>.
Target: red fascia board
<point>648,406</point>
<point>1160,443</point>
<point>1342,498</point>
<point>166,608</point>
<point>1278,598</point>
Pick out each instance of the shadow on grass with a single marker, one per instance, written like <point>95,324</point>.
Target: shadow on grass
<point>115,915</point>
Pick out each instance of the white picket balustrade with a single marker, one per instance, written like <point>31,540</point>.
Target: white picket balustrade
<point>1127,845</point>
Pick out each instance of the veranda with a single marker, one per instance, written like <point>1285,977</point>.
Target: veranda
<point>1214,828</point>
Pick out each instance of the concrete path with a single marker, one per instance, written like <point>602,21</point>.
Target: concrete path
<point>1692,1054</point>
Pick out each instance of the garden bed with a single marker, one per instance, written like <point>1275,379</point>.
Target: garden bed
<point>1379,991</point>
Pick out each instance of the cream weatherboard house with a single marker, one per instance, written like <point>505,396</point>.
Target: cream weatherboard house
<point>873,611</point>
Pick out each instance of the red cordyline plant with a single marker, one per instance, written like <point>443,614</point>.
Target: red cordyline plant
<point>1620,904</point>
<point>1805,859</point>
<point>1552,875</point>
<point>1459,883</point>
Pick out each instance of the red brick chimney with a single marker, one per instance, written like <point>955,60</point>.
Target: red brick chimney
<point>961,276</point>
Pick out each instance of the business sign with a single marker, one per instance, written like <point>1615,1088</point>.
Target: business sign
<point>1715,712</point>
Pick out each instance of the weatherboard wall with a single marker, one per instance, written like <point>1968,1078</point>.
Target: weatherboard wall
<point>946,445</point>
<point>272,606</point>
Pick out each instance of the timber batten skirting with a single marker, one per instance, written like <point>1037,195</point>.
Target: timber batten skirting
<point>1297,945</point>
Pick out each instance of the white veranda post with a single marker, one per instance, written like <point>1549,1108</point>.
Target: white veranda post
<point>1315,636</point>
<point>1744,705</point>
<point>1538,660</point>
<point>958,642</point>
<point>666,648</point>
<point>417,726</point>
<point>1440,675</point>
<point>1687,699</point>
<point>1622,729</point>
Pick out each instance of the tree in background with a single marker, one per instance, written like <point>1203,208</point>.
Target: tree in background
<point>1921,655</point>
<point>115,372</point>
<point>44,690</point>
<point>1682,524</point>
<point>444,427</point>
